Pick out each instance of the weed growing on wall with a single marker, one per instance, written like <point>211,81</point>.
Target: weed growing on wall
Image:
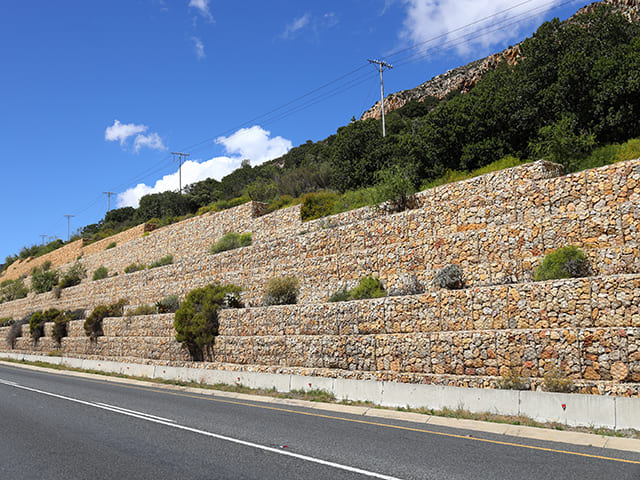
<point>450,277</point>
<point>565,262</point>
<point>231,241</point>
<point>168,304</point>
<point>43,279</point>
<point>196,321</point>
<point>93,323</point>
<point>73,276</point>
<point>555,380</point>
<point>168,260</point>
<point>281,291</point>
<point>12,290</point>
<point>15,331</point>
<point>100,273</point>
<point>134,267</point>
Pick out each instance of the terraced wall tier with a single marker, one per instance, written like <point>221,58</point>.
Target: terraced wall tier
<point>587,328</point>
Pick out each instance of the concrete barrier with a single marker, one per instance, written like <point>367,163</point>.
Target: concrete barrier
<point>569,409</point>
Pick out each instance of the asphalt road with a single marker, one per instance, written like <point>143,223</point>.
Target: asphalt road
<point>56,426</point>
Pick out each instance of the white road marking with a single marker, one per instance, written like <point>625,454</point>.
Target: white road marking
<point>171,423</point>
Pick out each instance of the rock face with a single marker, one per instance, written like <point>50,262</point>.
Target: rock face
<point>464,78</point>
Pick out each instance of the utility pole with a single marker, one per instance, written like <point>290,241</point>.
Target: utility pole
<point>42,238</point>
<point>68,225</point>
<point>108,194</point>
<point>381,65</point>
<point>180,155</point>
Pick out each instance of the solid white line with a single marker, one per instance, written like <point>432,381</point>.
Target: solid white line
<point>126,410</point>
<point>170,423</point>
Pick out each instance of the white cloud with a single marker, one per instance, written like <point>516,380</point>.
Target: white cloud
<point>203,7</point>
<point>253,143</point>
<point>428,19</point>
<point>122,132</point>
<point>296,25</point>
<point>152,141</point>
<point>199,47</point>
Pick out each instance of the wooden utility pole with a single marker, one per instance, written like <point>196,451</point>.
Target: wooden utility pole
<point>180,155</point>
<point>381,65</point>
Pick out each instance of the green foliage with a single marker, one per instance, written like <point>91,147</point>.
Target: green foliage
<point>142,310</point>
<point>232,240</point>
<point>561,143</point>
<point>450,277</point>
<point>317,205</point>
<point>111,245</point>
<point>36,325</point>
<point>134,267</point>
<point>73,276</point>
<point>60,320</point>
<point>196,321</point>
<point>368,287</point>
<point>43,279</point>
<point>93,323</point>
<point>168,260</point>
<point>13,290</point>
<point>341,295</point>
<point>281,290</point>
<point>395,186</point>
<point>565,262</point>
<point>6,322</point>
<point>169,304</point>
<point>100,273</point>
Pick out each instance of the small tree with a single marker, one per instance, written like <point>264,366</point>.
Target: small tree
<point>196,321</point>
<point>93,323</point>
<point>73,276</point>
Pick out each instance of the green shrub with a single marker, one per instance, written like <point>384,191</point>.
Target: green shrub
<point>73,276</point>
<point>450,277</point>
<point>368,287</point>
<point>6,322</point>
<point>169,304</point>
<point>100,273</point>
<point>317,205</point>
<point>142,310</point>
<point>196,321</point>
<point>341,295</point>
<point>231,241</point>
<point>111,245</point>
<point>168,260</point>
<point>134,267</point>
<point>565,262</point>
<point>93,323</point>
<point>395,187</point>
<point>13,290</point>
<point>281,290</point>
<point>60,326</point>
<point>43,279</point>
<point>36,325</point>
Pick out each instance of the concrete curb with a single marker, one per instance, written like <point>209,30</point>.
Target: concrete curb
<point>429,396</point>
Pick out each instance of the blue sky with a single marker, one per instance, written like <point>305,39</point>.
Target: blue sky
<point>94,95</point>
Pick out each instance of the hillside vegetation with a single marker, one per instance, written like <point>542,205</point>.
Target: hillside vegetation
<point>573,97</point>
